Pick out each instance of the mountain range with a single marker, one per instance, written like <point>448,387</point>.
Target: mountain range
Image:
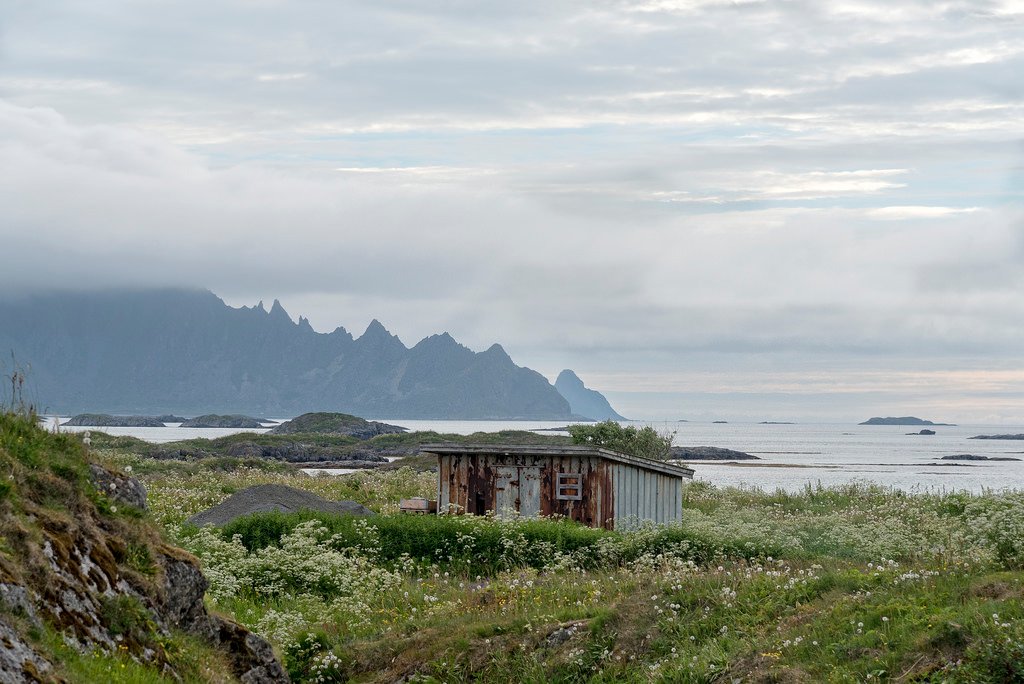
<point>186,351</point>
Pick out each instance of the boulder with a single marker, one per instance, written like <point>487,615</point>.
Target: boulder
<point>120,488</point>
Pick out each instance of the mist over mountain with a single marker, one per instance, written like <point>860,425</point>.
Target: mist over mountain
<point>582,400</point>
<point>186,351</point>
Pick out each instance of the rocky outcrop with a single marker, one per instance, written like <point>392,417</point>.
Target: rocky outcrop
<point>106,420</point>
<point>707,453</point>
<point>233,421</point>
<point>124,490</point>
<point>335,424</point>
<point>922,432</point>
<point>18,660</point>
<point>81,560</point>
<point>582,400</point>
<point>973,457</point>
<point>1009,437</point>
<point>252,656</point>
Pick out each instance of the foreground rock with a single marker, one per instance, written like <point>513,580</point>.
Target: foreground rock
<point>215,421</point>
<point>82,562</point>
<point>336,424</point>
<point>107,420</point>
<point>997,437</point>
<point>707,453</point>
<point>972,457</point>
<point>273,497</point>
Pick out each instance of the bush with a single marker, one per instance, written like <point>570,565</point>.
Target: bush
<point>644,442</point>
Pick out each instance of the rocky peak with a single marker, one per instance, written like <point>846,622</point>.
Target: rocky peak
<point>277,312</point>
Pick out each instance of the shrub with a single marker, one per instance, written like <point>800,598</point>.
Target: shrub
<point>644,442</point>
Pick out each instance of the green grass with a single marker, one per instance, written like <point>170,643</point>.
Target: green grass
<point>843,584</point>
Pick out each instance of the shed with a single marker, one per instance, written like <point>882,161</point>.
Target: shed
<point>594,486</point>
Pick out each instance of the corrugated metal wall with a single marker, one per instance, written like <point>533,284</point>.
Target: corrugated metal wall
<point>615,495</point>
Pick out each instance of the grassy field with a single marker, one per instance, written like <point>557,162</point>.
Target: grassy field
<point>851,584</point>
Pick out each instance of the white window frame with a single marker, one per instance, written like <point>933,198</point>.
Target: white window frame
<point>563,487</point>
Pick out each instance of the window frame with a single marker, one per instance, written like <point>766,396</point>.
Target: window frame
<point>563,486</point>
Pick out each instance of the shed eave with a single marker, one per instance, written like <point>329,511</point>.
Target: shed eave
<point>551,450</point>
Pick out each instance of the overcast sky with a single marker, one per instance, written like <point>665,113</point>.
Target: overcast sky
<point>803,210</point>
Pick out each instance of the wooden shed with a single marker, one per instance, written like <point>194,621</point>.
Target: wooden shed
<point>597,487</point>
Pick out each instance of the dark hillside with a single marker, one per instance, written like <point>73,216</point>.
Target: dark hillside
<point>186,351</point>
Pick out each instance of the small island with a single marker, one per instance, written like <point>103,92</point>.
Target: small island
<point>972,457</point>
<point>902,420</point>
<point>107,420</point>
<point>707,453</point>
<point>997,437</point>
<point>336,424</point>
<point>216,421</point>
<point>775,422</point>
<point>925,431</point>
<point>171,418</point>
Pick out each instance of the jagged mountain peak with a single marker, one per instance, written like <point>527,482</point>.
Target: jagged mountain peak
<point>568,377</point>
<point>169,351</point>
<point>377,334</point>
<point>278,310</point>
<point>497,350</point>
<point>437,341</point>
<point>584,401</point>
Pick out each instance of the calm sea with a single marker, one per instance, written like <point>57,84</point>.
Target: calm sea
<point>792,456</point>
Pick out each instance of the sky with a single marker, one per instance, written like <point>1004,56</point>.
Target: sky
<point>739,210</point>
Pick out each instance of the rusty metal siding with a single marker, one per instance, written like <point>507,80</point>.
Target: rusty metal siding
<point>614,493</point>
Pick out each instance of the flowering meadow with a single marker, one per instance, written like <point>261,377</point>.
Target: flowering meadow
<point>851,584</point>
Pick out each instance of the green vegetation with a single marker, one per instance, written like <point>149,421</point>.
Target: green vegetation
<point>644,442</point>
<point>844,584</point>
<point>252,447</point>
<point>62,543</point>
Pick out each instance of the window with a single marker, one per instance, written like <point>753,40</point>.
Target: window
<point>570,487</point>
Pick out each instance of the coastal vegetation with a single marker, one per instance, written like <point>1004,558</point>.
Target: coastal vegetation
<point>645,442</point>
<point>857,583</point>
<point>90,590</point>
<point>843,584</point>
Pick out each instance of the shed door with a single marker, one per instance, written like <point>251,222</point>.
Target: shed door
<point>506,491</point>
<point>529,492</point>
<point>516,490</point>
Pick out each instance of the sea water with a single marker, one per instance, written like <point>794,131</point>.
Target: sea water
<point>790,456</point>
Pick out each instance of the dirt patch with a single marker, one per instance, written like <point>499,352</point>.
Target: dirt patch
<point>999,591</point>
<point>273,497</point>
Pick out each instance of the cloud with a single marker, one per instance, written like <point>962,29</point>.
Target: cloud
<point>651,186</point>
<point>914,212</point>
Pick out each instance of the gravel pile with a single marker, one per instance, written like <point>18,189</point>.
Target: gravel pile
<point>273,497</point>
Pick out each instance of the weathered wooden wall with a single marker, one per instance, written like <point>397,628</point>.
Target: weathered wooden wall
<point>615,495</point>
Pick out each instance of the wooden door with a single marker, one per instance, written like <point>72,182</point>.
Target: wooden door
<point>529,492</point>
<point>506,491</point>
<point>516,491</point>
